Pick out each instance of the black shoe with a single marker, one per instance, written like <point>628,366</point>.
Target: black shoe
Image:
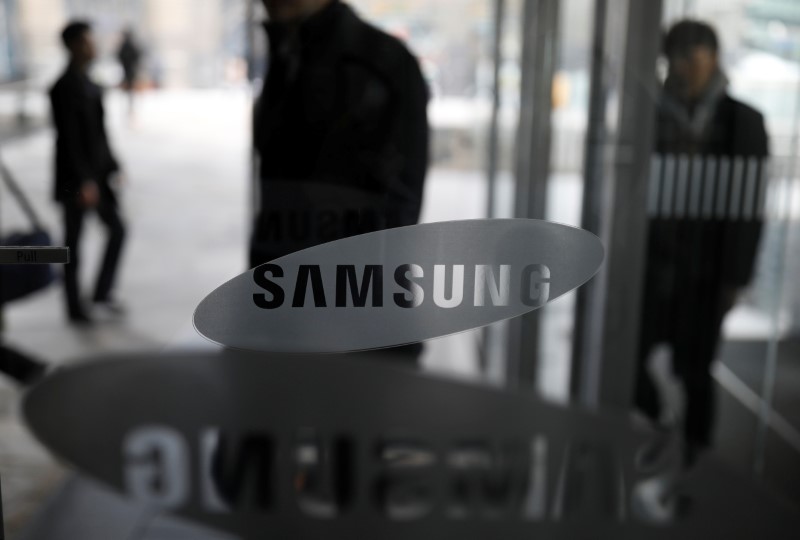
<point>111,307</point>
<point>80,318</point>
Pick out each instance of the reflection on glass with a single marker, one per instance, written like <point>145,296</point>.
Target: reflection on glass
<point>697,265</point>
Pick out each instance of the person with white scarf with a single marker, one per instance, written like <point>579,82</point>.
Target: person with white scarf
<point>697,261</point>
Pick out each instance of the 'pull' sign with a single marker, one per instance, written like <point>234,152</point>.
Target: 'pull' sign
<point>399,286</point>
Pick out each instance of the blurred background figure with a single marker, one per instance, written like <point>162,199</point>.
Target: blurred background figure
<point>83,169</point>
<point>341,129</point>
<point>129,55</point>
<point>703,243</point>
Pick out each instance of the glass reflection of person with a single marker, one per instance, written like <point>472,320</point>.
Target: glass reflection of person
<point>704,230</point>
<point>340,127</point>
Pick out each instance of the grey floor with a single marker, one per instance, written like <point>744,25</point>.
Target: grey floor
<point>738,428</point>
<point>82,509</point>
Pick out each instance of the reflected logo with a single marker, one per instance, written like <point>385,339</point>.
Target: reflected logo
<point>286,446</point>
<point>399,286</point>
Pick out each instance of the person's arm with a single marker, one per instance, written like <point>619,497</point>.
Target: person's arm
<point>113,164</point>
<point>66,117</point>
<point>412,139</point>
<point>754,149</point>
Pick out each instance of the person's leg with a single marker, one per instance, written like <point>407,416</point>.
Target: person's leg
<point>700,409</point>
<point>109,215</point>
<point>655,328</point>
<point>698,352</point>
<point>129,89</point>
<point>646,396</point>
<point>73,225</point>
<point>700,389</point>
<point>20,367</point>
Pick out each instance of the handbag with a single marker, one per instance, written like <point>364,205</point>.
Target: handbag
<point>20,280</point>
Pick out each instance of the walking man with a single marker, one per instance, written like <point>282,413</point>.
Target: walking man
<point>83,169</point>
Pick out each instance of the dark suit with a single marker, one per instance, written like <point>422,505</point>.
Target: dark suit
<point>702,244</point>
<point>342,132</point>
<point>84,155</point>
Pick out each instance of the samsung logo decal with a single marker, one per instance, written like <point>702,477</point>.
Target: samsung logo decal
<point>399,286</point>
<point>365,286</point>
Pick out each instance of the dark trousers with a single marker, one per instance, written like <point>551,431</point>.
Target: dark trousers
<point>700,400</point>
<point>684,310</point>
<point>692,358</point>
<point>73,226</point>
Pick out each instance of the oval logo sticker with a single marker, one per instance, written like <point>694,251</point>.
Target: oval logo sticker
<point>342,449</point>
<point>399,286</point>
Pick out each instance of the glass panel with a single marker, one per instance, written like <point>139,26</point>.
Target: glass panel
<point>718,315</point>
<point>655,395</point>
<point>755,364</point>
<point>565,192</point>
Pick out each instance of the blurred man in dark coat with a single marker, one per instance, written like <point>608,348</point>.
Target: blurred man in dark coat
<point>341,129</point>
<point>84,166</point>
<point>129,55</point>
<point>705,226</point>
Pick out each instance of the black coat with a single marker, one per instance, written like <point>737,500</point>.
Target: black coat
<point>736,129</point>
<point>342,133</point>
<point>82,149</point>
<point>697,260</point>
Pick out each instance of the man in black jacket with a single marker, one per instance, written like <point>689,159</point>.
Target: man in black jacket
<point>341,130</point>
<point>705,225</point>
<point>83,168</point>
